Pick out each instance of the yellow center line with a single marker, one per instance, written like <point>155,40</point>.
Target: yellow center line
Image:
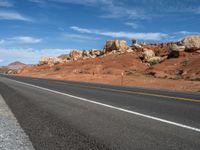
<point>138,93</point>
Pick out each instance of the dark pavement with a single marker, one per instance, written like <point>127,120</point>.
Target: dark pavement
<point>57,121</point>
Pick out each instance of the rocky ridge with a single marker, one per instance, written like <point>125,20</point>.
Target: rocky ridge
<point>148,53</point>
<point>172,60</point>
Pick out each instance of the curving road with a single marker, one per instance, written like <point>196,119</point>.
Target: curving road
<point>57,114</point>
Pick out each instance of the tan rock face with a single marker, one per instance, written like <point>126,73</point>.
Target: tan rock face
<point>174,51</point>
<point>191,43</point>
<point>147,54</point>
<point>119,45</point>
<point>156,60</point>
<point>65,57</point>
<point>95,52</point>
<point>51,61</point>
<point>86,54</point>
<point>92,53</point>
<point>75,54</point>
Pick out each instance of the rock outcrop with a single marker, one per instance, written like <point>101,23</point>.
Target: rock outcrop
<point>95,53</point>
<point>135,45</point>
<point>191,43</point>
<point>65,57</point>
<point>118,45</point>
<point>51,61</point>
<point>75,55</point>
<point>174,50</point>
<point>147,54</point>
<point>156,60</point>
<point>86,54</point>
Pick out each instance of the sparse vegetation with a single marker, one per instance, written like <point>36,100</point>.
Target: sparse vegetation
<point>184,63</point>
<point>130,72</point>
<point>57,68</point>
<point>196,79</point>
<point>157,51</point>
<point>153,62</point>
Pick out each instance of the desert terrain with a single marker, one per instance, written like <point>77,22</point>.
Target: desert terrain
<point>173,65</point>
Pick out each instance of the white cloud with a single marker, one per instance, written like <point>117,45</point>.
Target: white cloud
<point>28,55</point>
<point>27,39</point>
<point>132,24</point>
<point>2,41</point>
<point>37,1</point>
<point>142,36</point>
<point>5,15</point>
<point>82,2</point>
<point>5,3</point>
<point>121,11</point>
<point>187,32</point>
<point>19,40</point>
<point>79,37</point>
<point>197,10</point>
<point>110,8</point>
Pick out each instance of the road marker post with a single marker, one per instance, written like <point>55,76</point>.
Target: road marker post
<point>122,78</point>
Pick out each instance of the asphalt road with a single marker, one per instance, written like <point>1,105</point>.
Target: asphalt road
<point>74,115</point>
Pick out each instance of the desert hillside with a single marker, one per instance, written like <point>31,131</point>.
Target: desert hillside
<point>173,65</point>
<point>12,68</point>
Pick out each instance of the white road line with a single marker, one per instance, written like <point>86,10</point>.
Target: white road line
<point>12,136</point>
<point>113,107</point>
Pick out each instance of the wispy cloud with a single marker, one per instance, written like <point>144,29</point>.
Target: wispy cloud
<point>20,40</point>
<point>79,37</point>
<point>37,1</point>
<point>6,15</point>
<point>187,33</point>
<point>82,2</point>
<point>132,25</point>
<point>2,41</point>
<point>197,10</point>
<point>134,9</point>
<point>5,3</point>
<point>110,8</point>
<point>142,36</point>
<point>27,39</point>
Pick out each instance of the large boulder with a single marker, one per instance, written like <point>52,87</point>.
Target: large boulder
<point>135,45</point>
<point>95,53</point>
<point>65,57</point>
<point>147,54</point>
<point>174,50</point>
<point>119,45</point>
<point>86,54</point>
<point>191,43</point>
<point>75,54</point>
<point>156,60</point>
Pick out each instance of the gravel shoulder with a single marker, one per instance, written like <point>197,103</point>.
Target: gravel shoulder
<point>12,136</point>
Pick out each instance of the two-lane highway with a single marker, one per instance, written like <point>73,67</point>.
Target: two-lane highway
<point>74,115</point>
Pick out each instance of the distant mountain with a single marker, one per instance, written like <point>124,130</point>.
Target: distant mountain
<point>16,65</point>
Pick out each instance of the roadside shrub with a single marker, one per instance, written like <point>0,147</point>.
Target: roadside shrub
<point>153,62</point>
<point>184,63</point>
<point>57,69</point>
<point>157,51</point>
<point>196,79</point>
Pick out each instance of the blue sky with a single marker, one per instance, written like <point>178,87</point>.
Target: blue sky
<point>30,29</point>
